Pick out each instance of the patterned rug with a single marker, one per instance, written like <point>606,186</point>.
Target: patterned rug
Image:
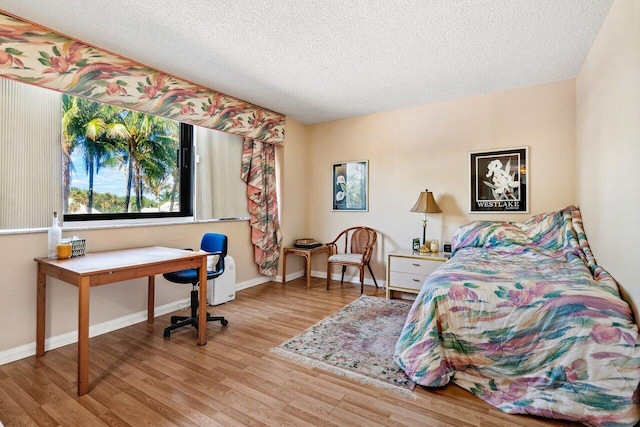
<point>358,342</point>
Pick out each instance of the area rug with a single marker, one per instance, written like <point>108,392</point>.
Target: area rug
<point>357,342</point>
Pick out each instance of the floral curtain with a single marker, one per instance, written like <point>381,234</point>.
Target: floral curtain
<point>38,56</point>
<point>259,172</point>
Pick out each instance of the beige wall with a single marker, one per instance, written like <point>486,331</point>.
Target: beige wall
<point>427,147</point>
<point>608,146</point>
<point>295,194</point>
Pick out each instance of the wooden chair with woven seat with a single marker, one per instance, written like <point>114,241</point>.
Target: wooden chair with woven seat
<point>356,252</point>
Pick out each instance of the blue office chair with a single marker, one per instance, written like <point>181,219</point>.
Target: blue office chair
<point>215,244</point>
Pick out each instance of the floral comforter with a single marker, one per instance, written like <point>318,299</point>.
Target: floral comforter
<point>522,317</point>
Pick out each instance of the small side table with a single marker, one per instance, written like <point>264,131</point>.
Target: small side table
<point>307,253</point>
<point>407,271</point>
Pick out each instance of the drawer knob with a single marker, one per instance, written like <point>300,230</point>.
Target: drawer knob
<point>416,280</point>
<point>416,265</point>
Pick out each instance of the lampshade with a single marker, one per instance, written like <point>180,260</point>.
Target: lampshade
<point>426,203</point>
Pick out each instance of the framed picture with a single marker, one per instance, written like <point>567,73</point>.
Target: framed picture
<point>499,181</point>
<point>350,186</point>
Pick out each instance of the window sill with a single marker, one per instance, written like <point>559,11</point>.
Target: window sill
<point>114,224</point>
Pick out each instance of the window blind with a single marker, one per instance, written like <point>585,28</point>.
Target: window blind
<point>30,155</point>
<point>220,191</point>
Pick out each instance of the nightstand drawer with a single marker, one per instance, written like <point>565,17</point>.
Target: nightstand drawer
<point>414,266</point>
<point>407,280</point>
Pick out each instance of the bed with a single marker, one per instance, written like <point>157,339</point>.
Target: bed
<point>522,317</point>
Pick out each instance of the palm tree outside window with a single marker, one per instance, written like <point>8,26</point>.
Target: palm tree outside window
<point>120,163</point>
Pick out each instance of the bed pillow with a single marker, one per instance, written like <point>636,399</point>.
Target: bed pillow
<point>551,232</point>
<point>490,235</point>
<point>547,231</point>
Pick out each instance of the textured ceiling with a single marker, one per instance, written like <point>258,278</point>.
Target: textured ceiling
<point>317,60</point>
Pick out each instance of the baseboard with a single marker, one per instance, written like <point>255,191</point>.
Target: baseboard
<point>27,350</point>
<point>251,283</point>
<point>323,274</point>
<point>368,281</point>
<point>290,276</point>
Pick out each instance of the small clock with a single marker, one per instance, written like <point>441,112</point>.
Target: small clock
<point>446,247</point>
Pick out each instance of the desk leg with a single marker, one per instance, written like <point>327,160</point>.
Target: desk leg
<point>83,335</point>
<point>202,307</point>
<point>284,267</point>
<point>151,297</point>
<point>41,312</point>
<point>307,270</point>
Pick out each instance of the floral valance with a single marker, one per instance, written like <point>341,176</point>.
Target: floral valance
<point>35,55</point>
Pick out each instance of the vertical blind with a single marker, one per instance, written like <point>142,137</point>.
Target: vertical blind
<point>30,155</point>
<point>221,192</point>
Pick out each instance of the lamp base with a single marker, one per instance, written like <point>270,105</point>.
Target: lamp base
<point>424,231</point>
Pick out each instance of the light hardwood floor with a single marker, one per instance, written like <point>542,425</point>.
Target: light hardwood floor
<point>138,378</point>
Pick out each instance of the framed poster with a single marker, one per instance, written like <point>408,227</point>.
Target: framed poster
<point>350,186</point>
<point>499,181</point>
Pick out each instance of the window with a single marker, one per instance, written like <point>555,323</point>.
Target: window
<point>119,163</point>
<point>34,181</point>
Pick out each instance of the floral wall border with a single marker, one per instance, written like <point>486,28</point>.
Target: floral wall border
<point>32,54</point>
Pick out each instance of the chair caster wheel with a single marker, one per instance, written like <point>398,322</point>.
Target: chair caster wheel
<point>224,322</point>
<point>167,334</point>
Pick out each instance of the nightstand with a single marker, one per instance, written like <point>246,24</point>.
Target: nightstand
<point>407,270</point>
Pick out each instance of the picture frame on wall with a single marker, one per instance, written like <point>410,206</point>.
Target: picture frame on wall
<point>498,181</point>
<point>351,186</point>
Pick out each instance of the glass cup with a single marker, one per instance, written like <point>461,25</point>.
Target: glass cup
<point>63,250</point>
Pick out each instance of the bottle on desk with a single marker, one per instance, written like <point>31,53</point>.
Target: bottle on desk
<point>54,235</point>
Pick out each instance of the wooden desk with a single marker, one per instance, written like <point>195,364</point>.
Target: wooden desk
<point>307,253</point>
<point>102,268</point>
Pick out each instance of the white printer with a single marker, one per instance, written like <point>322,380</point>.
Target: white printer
<point>223,288</point>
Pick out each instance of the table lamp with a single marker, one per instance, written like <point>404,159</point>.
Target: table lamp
<point>425,204</point>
